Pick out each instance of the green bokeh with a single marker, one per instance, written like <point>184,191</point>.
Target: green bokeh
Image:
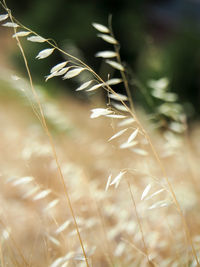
<point>151,51</point>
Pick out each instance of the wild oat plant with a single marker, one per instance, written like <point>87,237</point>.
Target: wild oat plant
<point>129,200</point>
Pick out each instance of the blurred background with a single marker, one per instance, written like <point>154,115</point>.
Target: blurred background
<point>160,48</point>
<point>158,39</point>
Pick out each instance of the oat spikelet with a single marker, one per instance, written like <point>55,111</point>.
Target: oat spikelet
<point>100,27</point>
<point>118,97</point>
<point>84,85</point>
<point>115,65</point>
<point>107,38</point>
<point>118,134</point>
<point>36,39</point>
<point>45,53</point>
<point>97,112</point>
<point>117,179</point>
<point>72,73</point>
<point>146,191</point>
<point>108,182</point>
<point>3,17</point>
<point>58,67</point>
<point>114,81</point>
<point>106,54</point>
<point>42,194</point>
<point>21,34</point>
<point>10,25</point>
<point>133,136</point>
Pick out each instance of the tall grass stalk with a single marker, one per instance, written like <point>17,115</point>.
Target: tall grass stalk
<point>129,108</point>
<point>49,137</point>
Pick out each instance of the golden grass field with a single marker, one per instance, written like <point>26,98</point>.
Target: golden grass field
<point>37,233</point>
<point>132,206</point>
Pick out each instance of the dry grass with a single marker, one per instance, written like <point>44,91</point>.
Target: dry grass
<point>107,219</point>
<point>77,191</point>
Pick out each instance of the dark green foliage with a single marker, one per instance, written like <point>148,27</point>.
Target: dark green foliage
<point>152,48</point>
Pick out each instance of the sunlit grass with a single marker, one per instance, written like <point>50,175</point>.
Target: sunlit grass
<point>94,184</point>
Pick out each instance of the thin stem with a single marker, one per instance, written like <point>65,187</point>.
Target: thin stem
<point>132,113</point>
<point>15,245</point>
<point>123,75</point>
<point>50,140</point>
<point>138,220</point>
<point>1,255</point>
<point>138,250</point>
<point>104,232</point>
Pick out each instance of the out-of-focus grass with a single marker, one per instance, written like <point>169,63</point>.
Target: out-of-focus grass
<point>37,233</point>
